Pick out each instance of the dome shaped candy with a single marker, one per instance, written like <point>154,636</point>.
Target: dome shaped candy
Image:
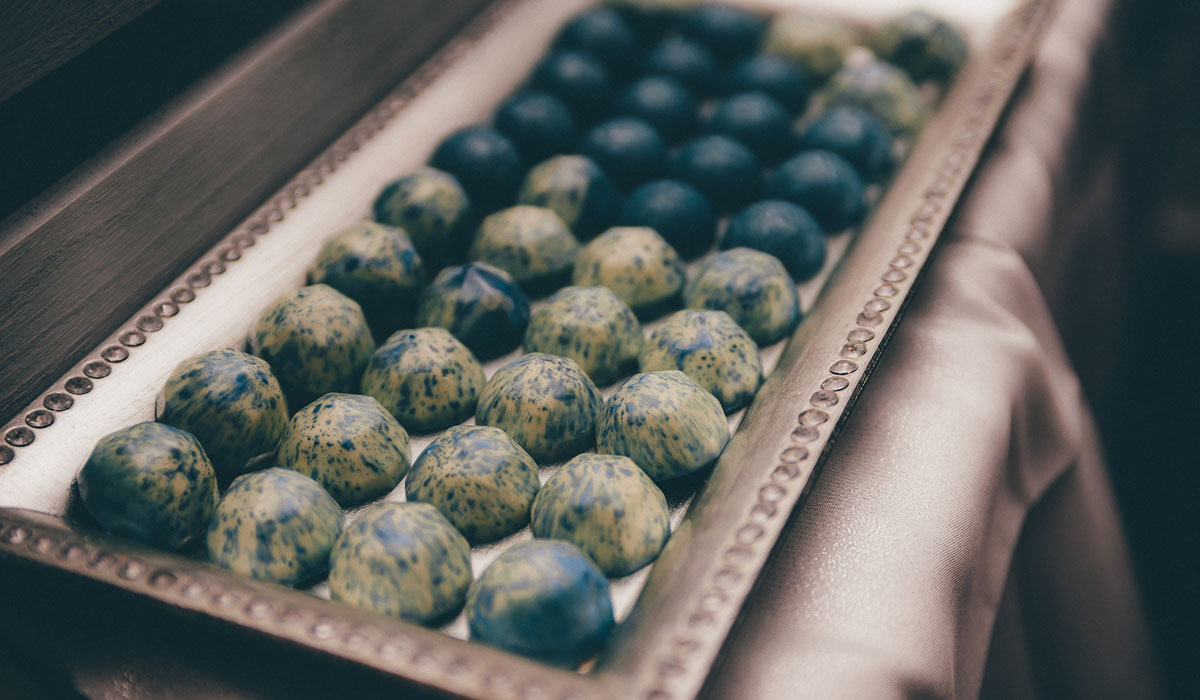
<point>576,189</point>
<point>685,60</point>
<point>544,599</point>
<point>753,288</point>
<point>479,478</point>
<point>538,123</point>
<point>636,264</point>
<point>666,423</point>
<point>316,341</point>
<point>782,229</point>
<point>856,135</point>
<point>606,506</point>
<point>403,560</point>
<point>774,75</point>
<point>426,378</point>
<point>628,149</point>
<point>825,185</point>
<point>722,169</point>
<point>275,525</point>
<point>231,403</point>
<point>758,121</point>
<point>709,348</point>
<point>546,403</point>
<point>922,44</point>
<point>484,162</point>
<point>591,326</point>
<point>882,89</point>
<point>676,211</point>
<point>603,33</point>
<point>662,102</point>
<point>530,243</point>
<point>817,43</point>
<point>578,79</point>
<point>347,443</point>
<point>480,305</point>
<point>729,32</point>
<point>433,209</point>
<point>151,483</point>
<point>376,266</point>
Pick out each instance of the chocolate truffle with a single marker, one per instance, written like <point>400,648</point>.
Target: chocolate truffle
<point>729,32</point>
<point>676,211</point>
<point>480,305</point>
<point>662,102</point>
<point>856,135</point>
<point>426,378</point>
<point>576,189</point>
<point>628,149</point>
<point>882,89</point>
<point>777,76</point>
<point>782,229</point>
<point>723,169</point>
<point>685,60</point>
<point>433,209</point>
<point>538,123</point>
<point>641,268</point>
<point>923,45</point>
<point>758,121</point>
<point>825,185</point>
<point>752,287</point>
<point>603,33</point>
<point>486,164</point>
<point>530,243</point>
<point>578,79</point>
<point>711,349</point>
<point>591,326</point>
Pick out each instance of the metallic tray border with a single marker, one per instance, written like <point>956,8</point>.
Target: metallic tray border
<point>671,640</point>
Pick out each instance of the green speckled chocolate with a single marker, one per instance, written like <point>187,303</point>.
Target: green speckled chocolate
<point>316,340</point>
<point>817,43</point>
<point>609,508</point>
<point>546,403</point>
<point>231,402</point>
<point>576,189</point>
<point>349,444</point>
<point>666,423</point>
<point>591,326</point>
<point>377,267</point>
<point>712,349</point>
<point>275,525</point>
<point>151,483</point>
<point>544,599</point>
<point>752,287</point>
<point>882,89</point>
<point>426,378</point>
<point>479,478</point>
<point>432,207</point>
<point>530,243</point>
<point>636,263</point>
<point>403,560</point>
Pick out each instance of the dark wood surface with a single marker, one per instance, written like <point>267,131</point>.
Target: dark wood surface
<point>81,259</point>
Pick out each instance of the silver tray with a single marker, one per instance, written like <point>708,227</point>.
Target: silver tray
<point>676,614</point>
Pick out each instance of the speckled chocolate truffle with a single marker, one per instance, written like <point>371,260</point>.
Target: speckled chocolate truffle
<point>882,89</point>
<point>576,189</point>
<point>546,403</point>
<point>485,163</point>
<point>349,445</point>
<point>479,478</point>
<point>316,340</point>
<point>685,60</point>
<point>231,402</point>
<point>151,483</point>
<point>275,525</point>
<point>782,229</point>
<point>676,211</point>
<point>628,149</point>
<point>753,288</point>
<point>722,169</point>
<point>530,243</point>
<point>666,423</point>
<point>403,560</point>
<point>591,326</point>
<point>376,266</point>
<point>543,599</point>
<point>609,508</point>
<point>636,264</point>
<point>817,43</point>
<point>480,305</point>
<point>426,378</point>
<point>758,121</point>
<point>856,135</point>
<point>433,209</point>
<point>711,349</point>
<point>922,44</point>
<point>777,76</point>
<point>825,185</point>
<point>538,123</point>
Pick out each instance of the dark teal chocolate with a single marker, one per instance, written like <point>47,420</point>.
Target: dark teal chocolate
<point>603,33</point>
<point>758,121</point>
<point>882,89</point>
<point>722,169</point>
<point>426,378</point>
<point>577,78</point>
<point>782,229</point>
<point>777,76</point>
<point>856,135</point>
<point>676,211</point>
<point>480,304</point>
<point>662,102</point>
<point>486,164</point>
<point>729,32</point>
<point>628,149</point>
<point>538,123</point>
<point>685,60</point>
<point>825,185</point>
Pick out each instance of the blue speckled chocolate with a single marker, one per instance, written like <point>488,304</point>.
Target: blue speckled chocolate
<point>231,402</point>
<point>275,525</point>
<point>603,33</point>
<point>636,264</point>
<point>530,243</point>
<point>151,483</point>
<point>316,340</point>
<point>546,403</point>
<point>662,102</point>
<point>609,508</point>
<point>539,124</point>
<point>591,326</point>
<point>403,560</point>
<point>777,76</point>
<point>922,44</point>
<point>729,32</point>
<point>752,287</point>
<point>485,163</point>
<point>628,149</point>
<point>433,209</point>
<point>685,60</point>
<point>818,43</point>
<point>349,445</point>
<point>825,185</point>
<point>722,169</point>
<point>856,135</point>
<point>577,78</point>
<point>576,189</point>
<point>426,378</point>
<point>758,121</point>
<point>479,478</point>
<point>782,229</point>
<point>882,89</point>
<point>666,423</point>
<point>543,599</point>
<point>676,211</point>
<point>711,349</point>
<point>376,266</point>
<point>480,305</point>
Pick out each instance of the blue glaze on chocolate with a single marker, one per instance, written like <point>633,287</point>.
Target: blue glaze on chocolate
<point>856,135</point>
<point>777,76</point>
<point>426,378</point>
<point>151,483</point>
<point>546,403</point>
<point>882,89</point>
<point>316,340</point>
<point>538,123</point>
<point>685,60</point>
<point>433,209</point>
<point>662,102</point>
<point>676,211</point>
<point>723,169</point>
<point>666,423</point>
<point>609,508</point>
<point>591,326</point>
<point>480,305</point>
<point>576,189</point>
<point>729,32</point>
<point>347,443</point>
<point>758,121</point>
<point>543,599</point>
<point>628,149</point>
<point>782,229</point>
<point>275,525</point>
<point>641,268</point>
<point>479,478</point>
<point>752,287</point>
<point>712,349</point>
<point>578,79</point>
<point>485,163</point>
<point>825,185</point>
<point>604,33</point>
<point>403,560</point>
<point>530,243</point>
<point>231,402</point>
